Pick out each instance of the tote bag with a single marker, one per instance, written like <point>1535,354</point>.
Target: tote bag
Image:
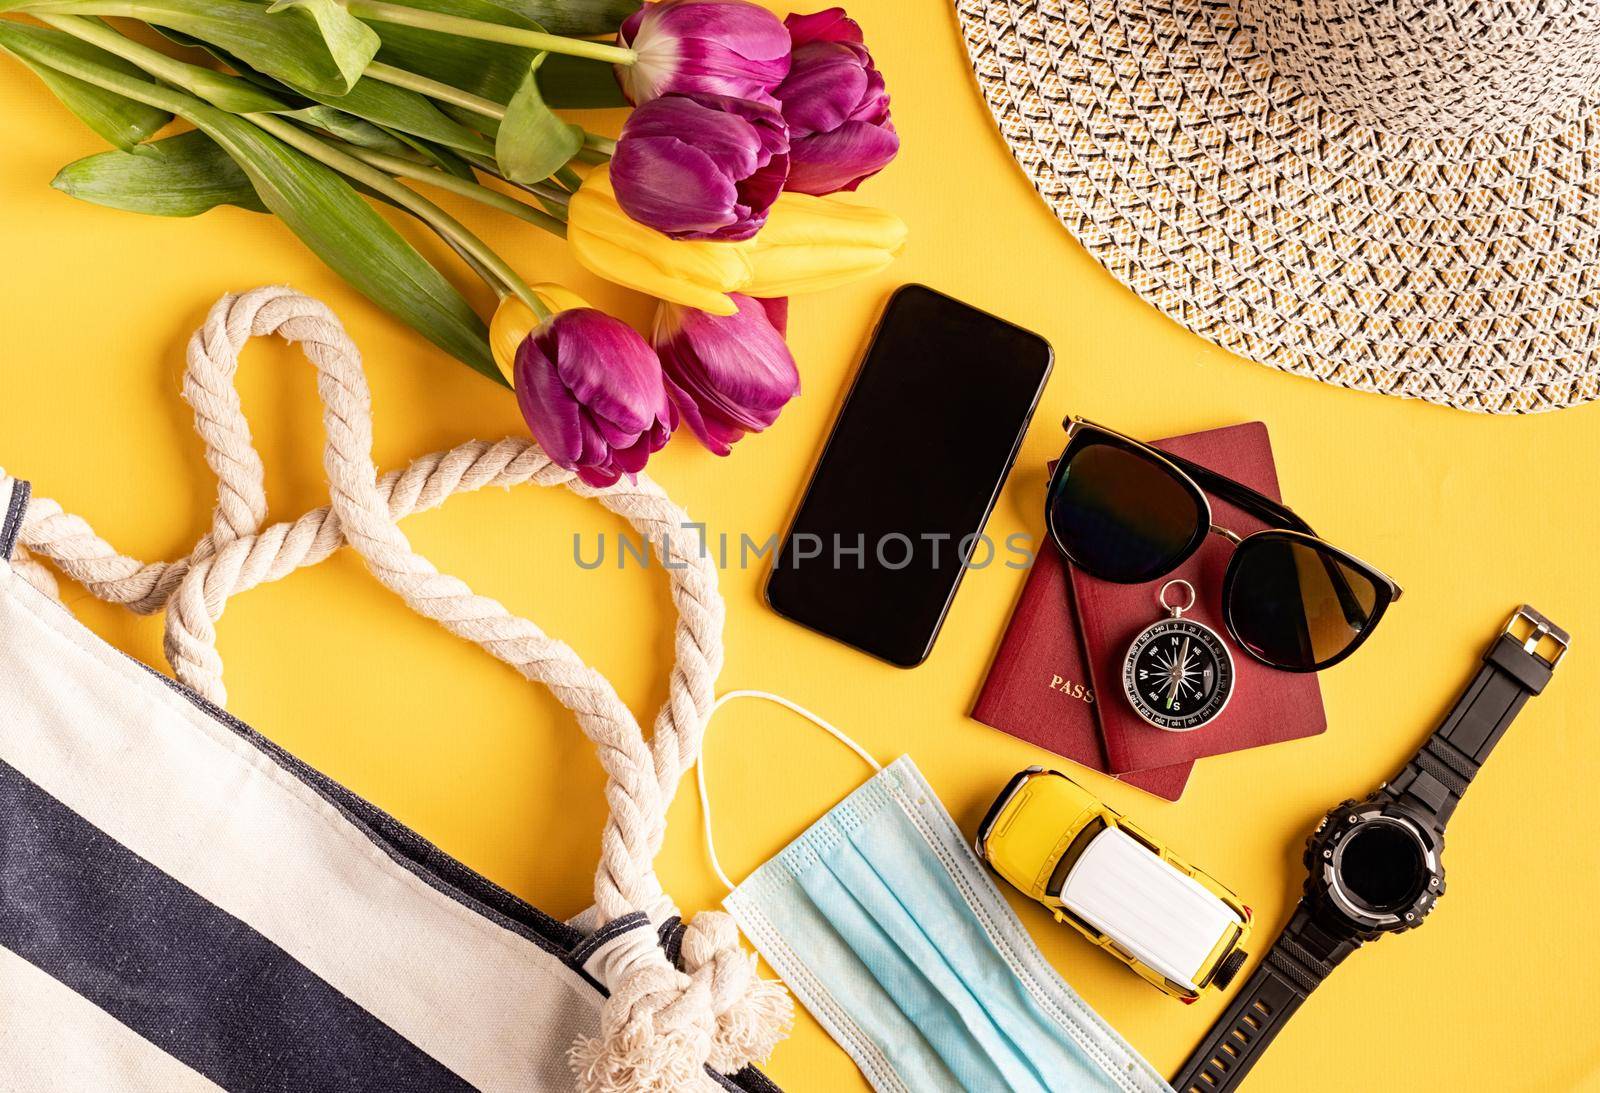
<point>184,906</point>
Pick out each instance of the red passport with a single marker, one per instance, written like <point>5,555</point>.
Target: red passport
<point>1038,687</point>
<point>1268,706</point>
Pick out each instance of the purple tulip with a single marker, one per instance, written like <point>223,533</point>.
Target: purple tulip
<point>593,395</point>
<point>777,314</point>
<point>701,166</point>
<point>836,105</point>
<point>717,47</point>
<point>728,375</point>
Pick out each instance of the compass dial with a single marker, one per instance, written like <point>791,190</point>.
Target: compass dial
<point>1178,675</point>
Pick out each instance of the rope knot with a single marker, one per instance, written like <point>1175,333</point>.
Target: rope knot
<point>752,1015</point>
<point>656,1028</point>
<point>662,1027</point>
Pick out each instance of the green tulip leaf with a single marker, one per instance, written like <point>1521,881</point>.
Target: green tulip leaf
<point>440,157</point>
<point>121,121</point>
<point>183,175</point>
<point>348,128</point>
<point>390,107</point>
<point>364,134</point>
<point>351,43</point>
<point>290,45</point>
<point>408,112</point>
<point>489,127</point>
<point>574,18</point>
<point>533,143</point>
<point>495,71</point>
<point>315,202</point>
<point>230,93</point>
<point>489,70</point>
<point>234,94</point>
<point>354,240</point>
<point>577,83</point>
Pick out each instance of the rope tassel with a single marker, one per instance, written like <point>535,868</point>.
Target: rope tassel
<point>752,1015</point>
<point>661,1027</point>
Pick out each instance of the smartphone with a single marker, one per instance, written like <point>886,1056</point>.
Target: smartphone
<point>895,510</point>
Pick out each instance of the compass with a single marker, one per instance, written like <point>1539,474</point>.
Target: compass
<point>1178,673</point>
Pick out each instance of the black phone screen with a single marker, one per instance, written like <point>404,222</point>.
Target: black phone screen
<point>896,507</point>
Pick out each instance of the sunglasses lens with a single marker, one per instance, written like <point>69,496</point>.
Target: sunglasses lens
<point>1296,605</point>
<point>1121,515</point>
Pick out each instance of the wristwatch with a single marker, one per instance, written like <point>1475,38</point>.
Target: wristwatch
<point>1374,865</point>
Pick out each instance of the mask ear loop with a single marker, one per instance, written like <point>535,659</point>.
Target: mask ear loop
<point>700,767</point>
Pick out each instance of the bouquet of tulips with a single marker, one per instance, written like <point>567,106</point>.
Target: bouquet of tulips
<point>717,197</point>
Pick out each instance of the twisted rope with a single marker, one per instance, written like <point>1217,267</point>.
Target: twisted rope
<point>660,1026</point>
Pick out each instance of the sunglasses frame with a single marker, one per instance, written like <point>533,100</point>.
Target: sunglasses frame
<point>1196,481</point>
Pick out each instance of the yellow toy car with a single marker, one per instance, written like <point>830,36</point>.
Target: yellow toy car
<point>1060,845</point>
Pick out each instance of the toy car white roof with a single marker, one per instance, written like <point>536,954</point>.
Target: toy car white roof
<point>1162,916</point>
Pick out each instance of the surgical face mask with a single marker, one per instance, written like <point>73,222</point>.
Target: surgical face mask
<point>883,923</point>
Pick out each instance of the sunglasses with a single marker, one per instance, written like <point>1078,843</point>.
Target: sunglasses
<point>1125,512</point>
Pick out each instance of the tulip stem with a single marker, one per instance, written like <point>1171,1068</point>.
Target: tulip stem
<point>547,193</point>
<point>405,168</point>
<point>434,89</point>
<point>485,274</point>
<point>603,145</point>
<point>377,11</point>
<point>203,83</point>
<point>411,201</point>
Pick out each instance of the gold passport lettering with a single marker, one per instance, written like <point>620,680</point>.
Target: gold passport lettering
<point>1071,689</point>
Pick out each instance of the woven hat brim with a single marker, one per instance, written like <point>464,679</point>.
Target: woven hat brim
<point>1463,271</point>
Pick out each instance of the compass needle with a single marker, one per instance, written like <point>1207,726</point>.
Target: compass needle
<point>1178,672</point>
<point>1180,669</point>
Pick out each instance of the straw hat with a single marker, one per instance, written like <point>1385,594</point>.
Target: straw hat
<point>1394,195</point>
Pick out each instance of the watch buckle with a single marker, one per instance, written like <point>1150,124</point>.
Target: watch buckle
<point>1540,632</point>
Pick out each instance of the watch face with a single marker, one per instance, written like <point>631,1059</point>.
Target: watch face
<point>1381,866</point>
<point>1178,675</point>
<point>1374,867</point>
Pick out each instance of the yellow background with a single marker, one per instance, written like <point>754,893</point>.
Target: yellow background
<point>1472,515</point>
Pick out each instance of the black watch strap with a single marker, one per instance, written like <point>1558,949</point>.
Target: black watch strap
<point>1516,667</point>
<point>1300,959</point>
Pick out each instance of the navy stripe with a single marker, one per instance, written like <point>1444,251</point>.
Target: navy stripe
<point>192,979</point>
<point>12,526</point>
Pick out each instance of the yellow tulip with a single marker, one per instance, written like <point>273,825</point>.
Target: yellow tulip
<point>813,243</point>
<point>514,320</point>
<point>610,243</point>
<point>808,244</point>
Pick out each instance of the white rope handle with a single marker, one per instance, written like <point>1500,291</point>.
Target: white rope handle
<point>686,1020</point>
<point>700,767</point>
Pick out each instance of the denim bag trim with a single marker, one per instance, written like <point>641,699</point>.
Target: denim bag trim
<point>18,504</point>
<point>902,786</point>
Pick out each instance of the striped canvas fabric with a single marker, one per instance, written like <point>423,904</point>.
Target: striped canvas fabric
<point>184,907</point>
